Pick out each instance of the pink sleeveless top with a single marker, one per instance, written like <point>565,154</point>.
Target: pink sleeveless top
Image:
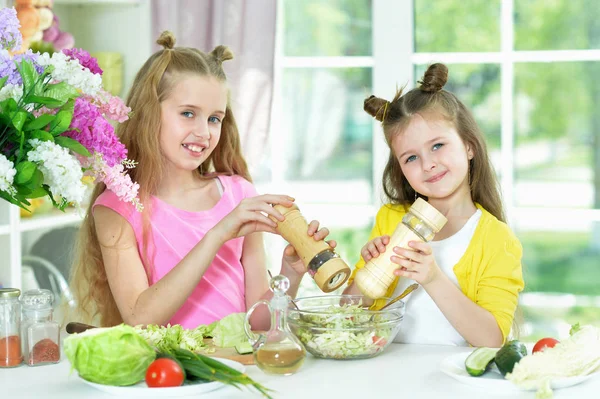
<point>175,232</point>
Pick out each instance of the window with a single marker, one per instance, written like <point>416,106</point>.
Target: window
<point>322,141</point>
<point>528,70</point>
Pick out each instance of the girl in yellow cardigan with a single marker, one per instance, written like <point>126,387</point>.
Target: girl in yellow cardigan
<point>471,272</point>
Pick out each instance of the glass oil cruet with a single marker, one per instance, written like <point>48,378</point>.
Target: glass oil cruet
<point>278,351</point>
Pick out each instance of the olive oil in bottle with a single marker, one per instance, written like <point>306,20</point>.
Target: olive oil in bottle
<point>280,358</point>
<point>278,351</point>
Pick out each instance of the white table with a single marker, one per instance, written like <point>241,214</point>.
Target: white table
<point>403,371</point>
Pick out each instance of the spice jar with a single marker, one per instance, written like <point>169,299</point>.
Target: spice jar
<point>10,320</point>
<point>41,343</point>
<point>420,223</point>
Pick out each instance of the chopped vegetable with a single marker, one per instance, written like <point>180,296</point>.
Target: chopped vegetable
<point>111,356</point>
<point>164,338</point>
<point>342,332</point>
<point>226,332</point>
<point>577,355</point>
<point>479,360</point>
<point>574,328</point>
<point>229,331</point>
<point>243,348</point>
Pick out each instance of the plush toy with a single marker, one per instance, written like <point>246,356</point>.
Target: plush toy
<point>40,27</point>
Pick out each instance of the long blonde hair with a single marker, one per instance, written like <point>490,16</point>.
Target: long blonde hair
<point>140,134</point>
<point>430,96</point>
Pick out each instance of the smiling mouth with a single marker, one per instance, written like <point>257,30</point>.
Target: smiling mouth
<point>194,148</point>
<point>436,178</point>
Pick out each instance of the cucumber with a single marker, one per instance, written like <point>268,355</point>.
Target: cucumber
<point>479,360</point>
<point>243,348</point>
<point>509,355</point>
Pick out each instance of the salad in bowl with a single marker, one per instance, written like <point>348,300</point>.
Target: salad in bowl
<point>341,327</point>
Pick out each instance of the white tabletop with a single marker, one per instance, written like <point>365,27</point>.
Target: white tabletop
<point>403,371</point>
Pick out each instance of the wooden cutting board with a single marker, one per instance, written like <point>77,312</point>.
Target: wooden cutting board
<point>228,353</point>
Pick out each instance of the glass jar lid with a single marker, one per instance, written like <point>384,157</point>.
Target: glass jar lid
<point>9,293</point>
<point>37,299</point>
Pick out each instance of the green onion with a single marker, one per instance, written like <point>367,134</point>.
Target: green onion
<point>204,368</point>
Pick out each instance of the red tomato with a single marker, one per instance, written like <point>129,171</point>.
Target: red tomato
<point>379,340</point>
<point>544,343</point>
<point>164,372</point>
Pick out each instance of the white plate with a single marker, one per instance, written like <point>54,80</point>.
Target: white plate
<point>493,381</point>
<point>141,389</point>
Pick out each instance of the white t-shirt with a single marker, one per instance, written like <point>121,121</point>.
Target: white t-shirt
<point>424,322</point>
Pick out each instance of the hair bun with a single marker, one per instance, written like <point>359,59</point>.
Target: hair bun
<point>166,40</point>
<point>376,107</point>
<point>222,53</point>
<point>435,78</point>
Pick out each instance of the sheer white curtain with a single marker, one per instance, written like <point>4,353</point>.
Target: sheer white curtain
<point>248,28</point>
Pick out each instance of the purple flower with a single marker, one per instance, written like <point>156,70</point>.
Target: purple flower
<point>8,65</point>
<point>10,37</point>
<point>85,59</point>
<point>95,133</point>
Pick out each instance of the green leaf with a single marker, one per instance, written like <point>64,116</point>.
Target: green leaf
<point>61,91</point>
<point>574,328</point>
<point>63,119</point>
<point>49,102</point>
<point>3,81</point>
<point>9,106</point>
<point>39,122</point>
<point>72,145</point>
<point>36,181</point>
<point>41,135</point>
<point>17,202</point>
<point>25,171</point>
<point>30,77</point>
<point>19,119</point>
<point>37,193</point>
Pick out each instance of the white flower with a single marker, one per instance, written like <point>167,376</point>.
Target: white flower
<point>62,172</point>
<point>7,174</point>
<point>10,90</point>
<point>71,71</point>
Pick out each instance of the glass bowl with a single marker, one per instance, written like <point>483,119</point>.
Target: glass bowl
<point>338,327</point>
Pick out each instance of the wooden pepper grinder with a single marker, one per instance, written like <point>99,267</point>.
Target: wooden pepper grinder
<point>325,266</point>
<point>420,223</point>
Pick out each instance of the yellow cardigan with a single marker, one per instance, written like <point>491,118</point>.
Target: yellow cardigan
<point>489,273</point>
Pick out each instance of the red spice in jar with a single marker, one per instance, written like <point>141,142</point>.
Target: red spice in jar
<point>45,351</point>
<point>10,351</point>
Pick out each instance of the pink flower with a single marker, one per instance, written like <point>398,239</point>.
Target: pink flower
<point>85,59</point>
<point>112,107</point>
<point>115,177</point>
<point>89,127</point>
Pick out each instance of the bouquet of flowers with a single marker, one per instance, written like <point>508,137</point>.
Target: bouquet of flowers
<point>54,127</point>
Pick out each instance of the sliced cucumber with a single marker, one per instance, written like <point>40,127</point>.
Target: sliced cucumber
<point>243,348</point>
<point>479,360</point>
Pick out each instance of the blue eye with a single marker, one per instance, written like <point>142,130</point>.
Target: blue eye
<point>436,146</point>
<point>411,158</point>
<point>214,119</point>
<point>188,114</point>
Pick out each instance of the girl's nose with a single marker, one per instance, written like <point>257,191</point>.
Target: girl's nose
<point>201,131</point>
<point>429,163</point>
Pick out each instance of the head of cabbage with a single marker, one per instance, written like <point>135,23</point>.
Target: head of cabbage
<point>110,356</point>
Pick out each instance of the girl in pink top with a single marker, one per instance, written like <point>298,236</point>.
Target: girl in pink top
<point>195,253</point>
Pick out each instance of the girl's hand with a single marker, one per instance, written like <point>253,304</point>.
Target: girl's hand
<point>251,216</point>
<point>417,263</point>
<point>291,263</point>
<point>375,247</point>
